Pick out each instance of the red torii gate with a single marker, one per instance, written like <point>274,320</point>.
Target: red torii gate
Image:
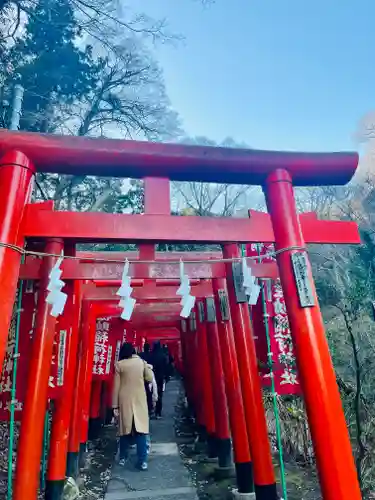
<point>276,172</point>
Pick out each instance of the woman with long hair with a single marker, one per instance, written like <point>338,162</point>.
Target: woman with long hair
<point>130,403</point>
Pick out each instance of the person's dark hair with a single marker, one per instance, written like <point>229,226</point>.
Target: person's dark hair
<point>156,346</point>
<point>146,347</point>
<point>127,350</point>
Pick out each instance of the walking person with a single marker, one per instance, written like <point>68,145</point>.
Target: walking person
<point>146,355</point>
<point>151,388</point>
<point>170,361</point>
<point>130,403</point>
<point>160,365</point>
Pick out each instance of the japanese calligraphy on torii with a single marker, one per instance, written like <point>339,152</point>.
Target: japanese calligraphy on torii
<point>101,346</point>
<point>6,380</point>
<point>283,337</point>
<point>281,340</point>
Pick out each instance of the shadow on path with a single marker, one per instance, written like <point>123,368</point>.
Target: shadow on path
<point>166,477</point>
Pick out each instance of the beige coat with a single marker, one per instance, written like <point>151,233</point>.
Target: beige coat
<point>129,394</point>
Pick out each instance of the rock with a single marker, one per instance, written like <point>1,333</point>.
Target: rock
<point>71,490</point>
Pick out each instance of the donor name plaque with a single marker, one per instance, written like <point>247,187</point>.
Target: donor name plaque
<point>301,275</point>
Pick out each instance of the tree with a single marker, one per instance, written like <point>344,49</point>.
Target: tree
<point>127,99</point>
<point>50,66</point>
<point>94,194</point>
<point>346,284</point>
<point>212,199</point>
<point>101,21</point>
<point>68,90</point>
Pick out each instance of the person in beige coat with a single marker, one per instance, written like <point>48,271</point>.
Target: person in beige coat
<point>130,403</point>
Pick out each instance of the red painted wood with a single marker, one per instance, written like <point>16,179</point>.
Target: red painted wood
<point>88,360</point>
<point>157,196</point>
<point>316,373</point>
<point>145,315</point>
<point>87,337</point>
<point>256,423</point>
<point>204,358</point>
<point>219,396</point>
<point>158,255</point>
<point>29,450</point>
<point>99,226</point>
<point>70,320</point>
<point>113,271</point>
<point>26,332</point>
<point>16,173</point>
<point>95,398</point>
<point>124,158</point>
<point>232,381</point>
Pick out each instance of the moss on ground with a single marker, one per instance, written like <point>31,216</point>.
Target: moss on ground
<point>301,481</point>
<point>95,475</point>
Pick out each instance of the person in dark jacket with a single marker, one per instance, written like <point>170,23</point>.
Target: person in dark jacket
<point>170,362</point>
<point>146,354</point>
<point>159,363</point>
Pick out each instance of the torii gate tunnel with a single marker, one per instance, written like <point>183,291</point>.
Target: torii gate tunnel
<point>220,365</point>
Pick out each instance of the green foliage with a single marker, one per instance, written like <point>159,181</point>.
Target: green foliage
<point>114,89</point>
<point>50,65</point>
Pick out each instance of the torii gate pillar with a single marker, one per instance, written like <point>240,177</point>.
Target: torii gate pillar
<point>337,473</point>
<point>16,175</point>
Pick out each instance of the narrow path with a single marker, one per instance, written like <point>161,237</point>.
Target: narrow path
<point>166,476</point>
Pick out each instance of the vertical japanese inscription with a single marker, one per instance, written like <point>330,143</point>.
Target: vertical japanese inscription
<point>109,359</point>
<point>238,282</point>
<point>224,305</point>
<point>61,358</point>
<point>303,283</point>
<point>193,322</point>
<point>211,310</point>
<point>201,311</point>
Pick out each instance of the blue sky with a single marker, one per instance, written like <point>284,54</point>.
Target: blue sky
<point>276,74</point>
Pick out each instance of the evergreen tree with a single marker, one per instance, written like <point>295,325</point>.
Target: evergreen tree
<point>50,65</point>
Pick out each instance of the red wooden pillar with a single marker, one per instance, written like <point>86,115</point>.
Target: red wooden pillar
<point>95,399</point>
<point>183,351</point>
<point>131,337</point>
<point>207,397</point>
<point>241,451</point>
<point>157,195</point>
<point>29,451</point>
<point>333,452</point>
<point>186,357</point>
<point>264,476</point>
<point>194,369</point>
<point>88,361</point>
<point>16,173</point>
<point>69,322</point>
<point>222,432</point>
<point>79,389</point>
<point>95,422</point>
<point>178,357</point>
<point>103,402</point>
<point>189,365</point>
<point>108,390</point>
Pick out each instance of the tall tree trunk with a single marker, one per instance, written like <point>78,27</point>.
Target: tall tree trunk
<point>361,451</point>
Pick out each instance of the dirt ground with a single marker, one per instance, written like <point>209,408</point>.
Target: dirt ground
<point>99,459</point>
<point>301,482</point>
